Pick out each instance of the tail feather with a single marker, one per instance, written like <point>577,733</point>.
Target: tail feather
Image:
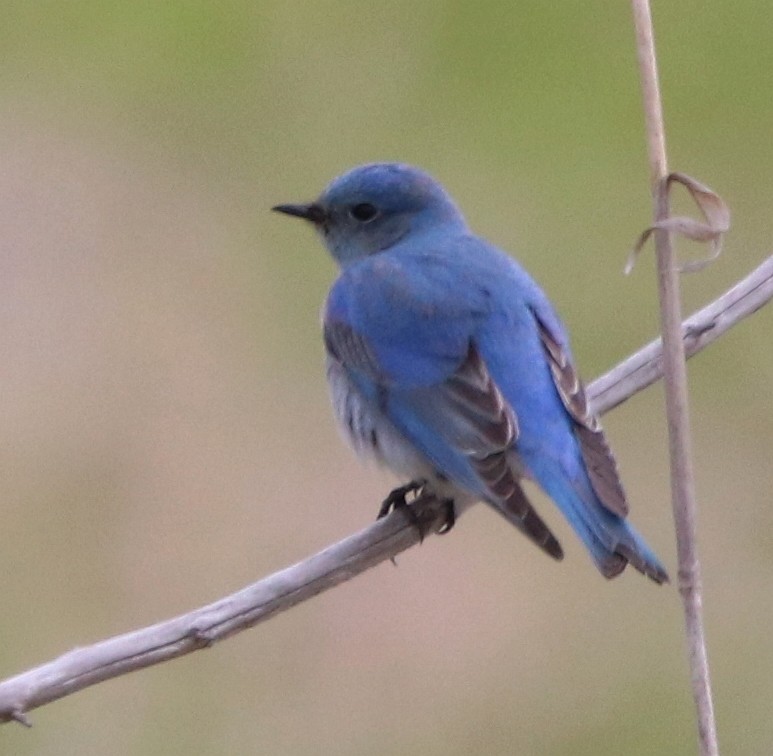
<point>642,558</point>
<point>611,541</point>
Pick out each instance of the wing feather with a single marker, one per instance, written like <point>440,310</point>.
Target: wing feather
<point>490,429</point>
<point>598,457</point>
<point>351,349</point>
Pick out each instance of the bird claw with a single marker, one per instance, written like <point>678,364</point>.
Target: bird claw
<point>396,498</point>
<point>450,520</point>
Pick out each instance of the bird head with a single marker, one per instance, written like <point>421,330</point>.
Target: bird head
<point>373,207</point>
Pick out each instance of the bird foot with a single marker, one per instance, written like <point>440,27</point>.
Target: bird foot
<point>397,498</point>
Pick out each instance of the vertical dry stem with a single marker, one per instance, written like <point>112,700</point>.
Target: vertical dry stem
<point>682,478</point>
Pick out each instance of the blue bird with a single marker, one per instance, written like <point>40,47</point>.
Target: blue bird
<point>448,364</point>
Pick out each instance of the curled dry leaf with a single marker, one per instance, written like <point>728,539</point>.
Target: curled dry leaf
<point>715,223</point>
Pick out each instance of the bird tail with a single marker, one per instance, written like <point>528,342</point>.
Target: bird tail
<point>613,543</point>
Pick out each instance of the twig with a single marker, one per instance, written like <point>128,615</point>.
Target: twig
<point>381,540</point>
<point>682,476</point>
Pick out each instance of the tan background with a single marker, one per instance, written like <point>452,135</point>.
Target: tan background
<point>165,435</point>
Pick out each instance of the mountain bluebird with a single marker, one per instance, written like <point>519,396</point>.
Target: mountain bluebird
<point>447,363</point>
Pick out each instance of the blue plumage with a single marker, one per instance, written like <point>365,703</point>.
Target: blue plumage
<point>447,362</point>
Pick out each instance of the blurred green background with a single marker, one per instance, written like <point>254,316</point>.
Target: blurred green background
<point>166,436</point>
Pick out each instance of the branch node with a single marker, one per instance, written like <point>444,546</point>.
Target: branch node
<point>695,330</point>
<point>689,580</point>
<point>18,715</point>
<point>200,637</point>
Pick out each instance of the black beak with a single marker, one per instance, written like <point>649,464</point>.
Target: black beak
<point>311,212</point>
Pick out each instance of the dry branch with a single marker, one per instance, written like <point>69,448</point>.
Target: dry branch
<point>381,540</point>
<point>683,499</point>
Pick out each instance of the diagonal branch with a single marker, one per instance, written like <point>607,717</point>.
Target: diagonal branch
<point>113,657</point>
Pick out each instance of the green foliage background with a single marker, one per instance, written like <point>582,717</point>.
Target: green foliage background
<point>165,433</point>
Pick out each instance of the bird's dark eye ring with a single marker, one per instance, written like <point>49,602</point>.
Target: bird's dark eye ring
<point>363,212</point>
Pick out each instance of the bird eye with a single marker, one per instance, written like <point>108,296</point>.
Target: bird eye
<point>363,212</point>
